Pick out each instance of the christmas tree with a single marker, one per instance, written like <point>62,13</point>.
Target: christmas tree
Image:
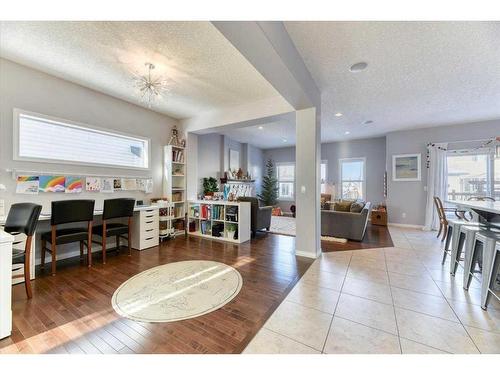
<point>269,193</point>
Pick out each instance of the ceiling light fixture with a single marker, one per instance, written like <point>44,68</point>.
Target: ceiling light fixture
<point>338,114</point>
<point>261,127</point>
<point>358,67</point>
<point>150,88</point>
<point>347,133</point>
<point>367,122</point>
<point>284,140</point>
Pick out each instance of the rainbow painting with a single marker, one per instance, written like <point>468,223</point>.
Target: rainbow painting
<point>52,184</point>
<point>27,185</point>
<point>74,185</point>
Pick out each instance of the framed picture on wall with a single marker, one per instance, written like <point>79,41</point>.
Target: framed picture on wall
<point>406,167</point>
<point>234,160</point>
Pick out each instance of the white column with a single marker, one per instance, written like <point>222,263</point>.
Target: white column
<point>307,183</point>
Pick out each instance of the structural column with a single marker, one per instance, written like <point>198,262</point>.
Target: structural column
<point>307,183</point>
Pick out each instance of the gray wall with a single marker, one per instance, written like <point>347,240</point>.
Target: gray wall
<point>409,198</point>
<point>28,89</point>
<point>372,149</point>
<point>213,158</point>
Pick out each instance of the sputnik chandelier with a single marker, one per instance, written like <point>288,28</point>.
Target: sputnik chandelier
<point>150,88</point>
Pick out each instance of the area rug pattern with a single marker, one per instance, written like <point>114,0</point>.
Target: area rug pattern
<point>283,225</point>
<point>177,291</point>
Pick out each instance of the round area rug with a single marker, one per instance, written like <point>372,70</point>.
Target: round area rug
<point>177,291</point>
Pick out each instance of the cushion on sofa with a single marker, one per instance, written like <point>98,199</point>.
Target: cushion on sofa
<point>342,206</point>
<point>357,206</point>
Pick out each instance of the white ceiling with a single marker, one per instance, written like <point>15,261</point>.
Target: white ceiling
<point>419,74</point>
<point>280,133</point>
<point>204,70</point>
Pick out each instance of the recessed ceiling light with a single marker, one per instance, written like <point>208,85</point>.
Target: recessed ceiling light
<point>338,114</point>
<point>367,122</point>
<point>347,133</point>
<point>358,67</point>
<point>284,140</point>
<point>261,127</point>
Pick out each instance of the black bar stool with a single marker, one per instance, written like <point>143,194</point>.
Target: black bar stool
<point>23,218</point>
<point>64,212</point>
<point>118,208</point>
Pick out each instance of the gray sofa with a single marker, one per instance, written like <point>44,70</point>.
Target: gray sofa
<point>348,225</point>
<point>260,215</point>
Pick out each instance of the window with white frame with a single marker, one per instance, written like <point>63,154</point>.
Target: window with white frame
<point>285,173</point>
<point>473,173</point>
<point>352,178</point>
<point>42,138</point>
<point>324,168</point>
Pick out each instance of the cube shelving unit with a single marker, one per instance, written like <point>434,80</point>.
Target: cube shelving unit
<point>204,215</point>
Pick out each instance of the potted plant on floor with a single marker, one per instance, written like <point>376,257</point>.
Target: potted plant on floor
<point>231,230</point>
<point>269,194</point>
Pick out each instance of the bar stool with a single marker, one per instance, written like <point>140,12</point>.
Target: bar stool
<point>452,236</point>
<point>23,218</point>
<point>490,243</point>
<point>464,243</point>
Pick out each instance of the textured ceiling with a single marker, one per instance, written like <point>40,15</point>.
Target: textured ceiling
<point>204,71</point>
<point>419,74</point>
<point>280,133</point>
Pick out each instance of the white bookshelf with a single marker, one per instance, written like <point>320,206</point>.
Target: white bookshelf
<point>174,189</point>
<point>197,221</point>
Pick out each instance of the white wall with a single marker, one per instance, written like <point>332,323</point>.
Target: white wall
<point>213,158</point>
<point>409,198</point>
<point>28,89</point>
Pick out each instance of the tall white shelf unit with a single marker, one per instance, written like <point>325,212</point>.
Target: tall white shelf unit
<point>174,189</point>
<point>197,219</point>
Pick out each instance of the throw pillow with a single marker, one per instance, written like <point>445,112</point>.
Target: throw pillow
<point>343,206</point>
<point>357,207</point>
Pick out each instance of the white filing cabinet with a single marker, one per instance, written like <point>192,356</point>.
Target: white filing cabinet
<point>145,228</point>
<point>5,284</point>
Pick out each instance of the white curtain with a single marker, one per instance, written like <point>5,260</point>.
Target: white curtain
<point>437,183</point>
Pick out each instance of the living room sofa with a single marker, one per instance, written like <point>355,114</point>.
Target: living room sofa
<point>350,225</point>
<point>260,215</point>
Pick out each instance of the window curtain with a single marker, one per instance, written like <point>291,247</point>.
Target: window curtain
<point>437,182</point>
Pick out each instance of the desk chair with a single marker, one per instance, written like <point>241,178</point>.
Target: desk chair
<point>118,208</point>
<point>65,212</point>
<point>23,218</point>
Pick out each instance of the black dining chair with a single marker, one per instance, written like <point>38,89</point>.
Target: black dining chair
<point>115,209</point>
<point>23,218</point>
<point>65,212</point>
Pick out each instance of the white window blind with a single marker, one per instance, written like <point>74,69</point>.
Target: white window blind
<point>43,139</point>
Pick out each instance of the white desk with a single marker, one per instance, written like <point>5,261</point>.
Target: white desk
<point>44,217</point>
<point>5,284</point>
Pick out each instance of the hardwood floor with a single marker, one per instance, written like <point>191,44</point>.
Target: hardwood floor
<point>376,236</point>
<point>72,313</point>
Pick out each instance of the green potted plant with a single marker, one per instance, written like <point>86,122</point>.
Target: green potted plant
<point>231,230</point>
<point>210,186</point>
<point>269,194</point>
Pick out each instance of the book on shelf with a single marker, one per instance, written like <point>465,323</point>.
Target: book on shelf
<point>206,227</point>
<point>218,212</point>
<point>206,211</point>
<point>194,211</point>
<point>178,156</point>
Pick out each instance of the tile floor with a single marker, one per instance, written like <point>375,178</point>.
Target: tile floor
<point>385,300</point>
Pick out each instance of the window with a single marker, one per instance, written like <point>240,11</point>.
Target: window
<point>352,178</point>
<point>286,180</point>
<point>474,174</point>
<point>324,167</point>
<point>41,138</point>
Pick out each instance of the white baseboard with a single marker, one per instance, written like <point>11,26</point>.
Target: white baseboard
<point>413,226</point>
<point>306,254</point>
